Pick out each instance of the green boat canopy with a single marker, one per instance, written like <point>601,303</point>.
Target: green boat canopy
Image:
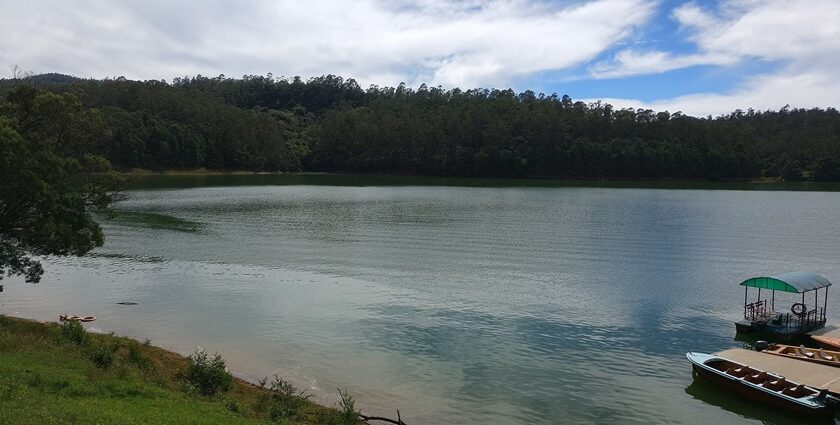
<point>798,282</point>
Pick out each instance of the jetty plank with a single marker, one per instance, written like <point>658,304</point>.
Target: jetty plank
<point>811,374</point>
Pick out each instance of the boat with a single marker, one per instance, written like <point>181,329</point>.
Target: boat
<point>762,315</point>
<point>762,386</point>
<point>814,355</point>
<point>69,318</point>
<point>827,342</point>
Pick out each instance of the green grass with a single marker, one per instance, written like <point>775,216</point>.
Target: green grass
<point>48,377</point>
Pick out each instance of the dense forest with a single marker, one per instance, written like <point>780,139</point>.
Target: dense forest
<point>263,123</point>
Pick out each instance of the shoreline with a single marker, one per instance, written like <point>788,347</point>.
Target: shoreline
<point>157,367</point>
<point>240,378</point>
<point>202,171</point>
<point>182,179</point>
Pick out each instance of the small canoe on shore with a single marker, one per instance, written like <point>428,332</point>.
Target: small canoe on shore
<point>762,386</point>
<point>827,342</point>
<point>818,355</point>
<point>69,318</point>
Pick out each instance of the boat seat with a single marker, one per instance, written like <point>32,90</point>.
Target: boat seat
<point>739,372</point>
<point>802,351</point>
<point>797,391</point>
<point>758,378</point>
<point>777,385</point>
<point>825,356</point>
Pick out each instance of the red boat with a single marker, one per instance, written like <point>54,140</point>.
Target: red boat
<point>762,386</point>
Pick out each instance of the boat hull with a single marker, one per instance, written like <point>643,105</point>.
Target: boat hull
<point>805,354</point>
<point>737,386</point>
<point>783,333</point>
<point>827,343</point>
<point>744,327</point>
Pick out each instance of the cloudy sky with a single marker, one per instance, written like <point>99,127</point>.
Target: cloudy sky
<point>699,57</point>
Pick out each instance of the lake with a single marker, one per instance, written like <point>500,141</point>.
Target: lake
<point>456,301</point>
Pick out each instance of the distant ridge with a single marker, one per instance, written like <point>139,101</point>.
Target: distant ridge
<point>48,79</point>
<point>331,124</point>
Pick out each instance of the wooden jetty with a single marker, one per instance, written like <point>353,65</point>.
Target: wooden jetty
<point>811,374</point>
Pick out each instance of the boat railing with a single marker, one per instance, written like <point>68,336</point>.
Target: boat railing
<point>756,311</point>
<point>809,320</point>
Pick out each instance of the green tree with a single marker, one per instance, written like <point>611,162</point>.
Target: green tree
<point>50,182</point>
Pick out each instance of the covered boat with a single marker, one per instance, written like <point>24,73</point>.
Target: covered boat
<point>792,320</point>
<point>762,386</point>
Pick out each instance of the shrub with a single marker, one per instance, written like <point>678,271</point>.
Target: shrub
<point>233,405</point>
<point>208,373</point>
<point>103,357</point>
<point>286,400</point>
<point>347,404</point>
<point>137,358</point>
<point>9,389</point>
<point>74,332</point>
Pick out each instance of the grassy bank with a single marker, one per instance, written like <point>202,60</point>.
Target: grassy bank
<point>59,374</point>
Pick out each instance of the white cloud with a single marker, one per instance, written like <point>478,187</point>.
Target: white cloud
<point>773,91</point>
<point>632,62</point>
<point>800,39</point>
<point>773,30</point>
<point>461,43</point>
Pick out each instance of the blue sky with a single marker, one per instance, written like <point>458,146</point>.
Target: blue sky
<point>699,57</point>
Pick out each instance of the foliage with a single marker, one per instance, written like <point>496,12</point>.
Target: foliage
<point>207,373</point>
<point>45,380</point>
<point>263,123</point>
<point>74,332</point>
<point>347,407</point>
<point>51,180</point>
<point>286,401</point>
<point>135,356</point>
<point>233,405</point>
<point>103,357</point>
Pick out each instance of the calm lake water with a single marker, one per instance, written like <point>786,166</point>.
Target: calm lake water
<point>456,301</point>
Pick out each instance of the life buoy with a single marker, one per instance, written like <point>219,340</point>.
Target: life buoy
<point>798,309</point>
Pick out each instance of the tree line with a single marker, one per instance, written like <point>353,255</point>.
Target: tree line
<point>329,123</point>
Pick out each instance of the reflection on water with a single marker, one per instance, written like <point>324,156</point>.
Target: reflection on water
<point>153,220</point>
<point>508,305</point>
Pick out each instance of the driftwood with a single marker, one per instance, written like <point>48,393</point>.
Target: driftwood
<point>398,421</point>
<point>347,404</point>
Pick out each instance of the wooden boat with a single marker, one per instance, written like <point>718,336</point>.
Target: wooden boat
<point>830,358</point>
<point>762,386</point>
<point>66,318</point>
<point>827,342</point>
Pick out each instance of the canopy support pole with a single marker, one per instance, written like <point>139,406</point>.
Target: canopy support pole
<point>746,289</point>
<point>825,301</point>
<point>773,301</point>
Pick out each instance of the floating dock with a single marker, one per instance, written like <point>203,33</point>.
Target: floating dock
<point>811,374</point>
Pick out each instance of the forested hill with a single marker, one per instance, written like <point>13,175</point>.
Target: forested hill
<point>263,123</point>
